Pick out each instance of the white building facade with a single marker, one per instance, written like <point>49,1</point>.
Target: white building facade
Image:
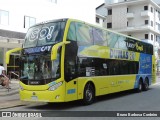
<point>16,16</point>
<point>101,14</point>
<point>136,18</point>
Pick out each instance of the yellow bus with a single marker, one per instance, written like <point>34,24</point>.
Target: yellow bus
<point>66,59</point>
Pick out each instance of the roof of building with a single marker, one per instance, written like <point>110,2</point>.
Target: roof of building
<point>12,34</point>
<point>100,6</point>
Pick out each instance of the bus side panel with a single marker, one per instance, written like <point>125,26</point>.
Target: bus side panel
<point>71,90</point>
<point>107,84</point>
<point>145,68</point>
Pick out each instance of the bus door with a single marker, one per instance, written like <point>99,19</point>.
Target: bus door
<point>70,71</point>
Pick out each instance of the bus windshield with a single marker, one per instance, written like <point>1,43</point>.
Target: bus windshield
<point>38,67</point>
<point>44,34</point>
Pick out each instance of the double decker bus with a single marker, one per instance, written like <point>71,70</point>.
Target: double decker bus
<point>65,60</point>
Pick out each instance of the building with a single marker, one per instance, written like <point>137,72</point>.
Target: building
<point>16,16</point>
<point>101,14</point>
<point>137,18</point>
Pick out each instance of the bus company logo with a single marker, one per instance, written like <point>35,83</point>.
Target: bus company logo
<point>130,45</point>
<point>134,46</point>
<point>120,54</point>
<point>45,48</point>
<point>38,49</point>
<point>139,47</point>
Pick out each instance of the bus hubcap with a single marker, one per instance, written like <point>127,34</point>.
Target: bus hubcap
<point>88,95</point>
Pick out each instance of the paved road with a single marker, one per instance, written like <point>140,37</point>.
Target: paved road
<point>124,101</point>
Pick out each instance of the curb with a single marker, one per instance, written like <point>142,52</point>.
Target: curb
<point>10,104</point>
<point>9,93</point>
<point>17,103</point>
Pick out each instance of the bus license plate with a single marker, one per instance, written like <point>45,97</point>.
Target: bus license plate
<point>34,98</point>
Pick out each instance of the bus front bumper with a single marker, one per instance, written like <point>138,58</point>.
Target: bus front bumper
<point>41,96</point>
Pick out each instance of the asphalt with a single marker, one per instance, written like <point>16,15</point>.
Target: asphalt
<point>9,99</point>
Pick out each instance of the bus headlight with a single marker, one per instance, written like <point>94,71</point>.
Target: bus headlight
<point>55,86</point>
<point>20,87</point>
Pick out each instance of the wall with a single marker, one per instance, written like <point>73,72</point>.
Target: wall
<point>119,14</point>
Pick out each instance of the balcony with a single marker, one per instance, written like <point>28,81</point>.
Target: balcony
<point>146,13</point>
<point>130,15</point>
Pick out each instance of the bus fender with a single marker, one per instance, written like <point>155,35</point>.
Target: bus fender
<point>85,83</point>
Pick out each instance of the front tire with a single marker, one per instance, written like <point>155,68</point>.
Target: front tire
<point>88,94</point>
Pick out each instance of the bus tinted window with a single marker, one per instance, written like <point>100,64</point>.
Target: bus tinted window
<point>72,32</point>
<point>112,40</point>
<point>103,67</point>
<point>99,37</point>
<point>32,37</point>
<point>84,34</point>
<point>122,43</point>
<point>49,33</point>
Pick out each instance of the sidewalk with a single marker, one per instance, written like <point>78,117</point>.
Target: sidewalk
<point>10,98</point>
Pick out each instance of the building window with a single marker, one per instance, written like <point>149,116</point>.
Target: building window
<point>29,21</point>
<point>145,7</point>
<point>109,11</point>
<point>146,22</point>
<point>146,36</point>
<point>127,10</point>
<point>152,23</point>
<point>109,25</point>
<point>97,20</point>
<point>4,17</point>
<point>151,9</point>
<point>127,23</point>
<point>151,37</point>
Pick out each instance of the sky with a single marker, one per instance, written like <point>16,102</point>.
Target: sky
<point>79,9</point>
<point>157,1</point>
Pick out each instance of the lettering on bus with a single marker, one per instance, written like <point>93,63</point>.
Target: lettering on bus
<point>37,49</point>
<point>44,33</point>
<point>120,54</point>
<point>135,46</point>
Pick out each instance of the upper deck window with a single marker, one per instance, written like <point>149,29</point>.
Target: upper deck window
<point>45,34</point>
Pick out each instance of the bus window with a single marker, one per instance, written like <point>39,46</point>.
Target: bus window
<point>112,40</point>
<point>72,32</point>
<point>84,34</point>
<point>49,33</point>
<point>99,37</point>
<point>85,67</point>
<point>32,37</point>
<point>70,61</point>
<point>122,43</point>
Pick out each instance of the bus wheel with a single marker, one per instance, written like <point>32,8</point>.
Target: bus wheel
<point>89,94</point>
<point>145,85</point>
<point>140,85</point>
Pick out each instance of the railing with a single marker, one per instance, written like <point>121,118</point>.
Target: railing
<point>16,73</point>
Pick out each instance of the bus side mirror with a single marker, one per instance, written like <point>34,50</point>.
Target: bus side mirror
<point>55,49</point>
<point>8,53</point>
